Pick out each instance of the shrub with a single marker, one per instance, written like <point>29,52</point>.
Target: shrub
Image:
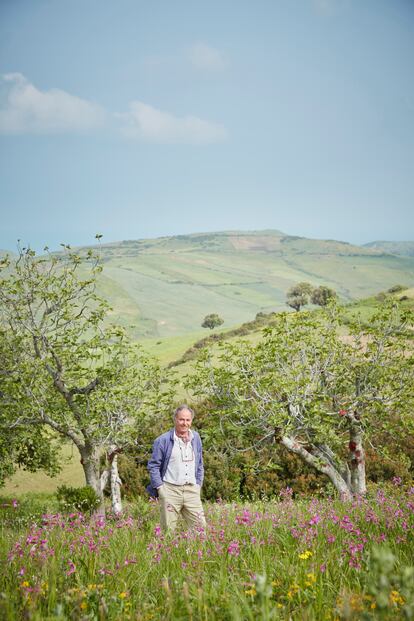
<point>82,499</point>
<point>396,288</point>
<point>134,476</point>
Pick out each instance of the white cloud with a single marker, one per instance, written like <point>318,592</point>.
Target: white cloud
<point>145,122</point>
<point>203,56</point>
<point>26,109</point>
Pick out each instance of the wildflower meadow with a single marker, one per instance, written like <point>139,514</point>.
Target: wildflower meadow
<point>285,558</point>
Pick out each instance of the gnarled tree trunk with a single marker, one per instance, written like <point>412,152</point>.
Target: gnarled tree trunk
<point>319,460</point>
<point>356,461</point>
<point>115,481</point>
<point>111,475</point>
<point>90,457</point>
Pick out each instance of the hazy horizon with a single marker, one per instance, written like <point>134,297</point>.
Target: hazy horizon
<point>104,241</point>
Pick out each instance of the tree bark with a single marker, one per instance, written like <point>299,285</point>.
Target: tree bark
<point>90,464</point>
<point>321,465</point>
<point>115,485</point>
<point>356,461</point>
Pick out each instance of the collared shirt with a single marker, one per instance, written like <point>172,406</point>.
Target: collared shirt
<point>181,465</point>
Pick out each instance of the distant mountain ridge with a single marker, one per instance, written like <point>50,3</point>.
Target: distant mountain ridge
<point>265,241</point>
<point>401,248</point>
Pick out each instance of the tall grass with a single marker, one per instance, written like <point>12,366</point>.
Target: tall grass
<point>284,559</point>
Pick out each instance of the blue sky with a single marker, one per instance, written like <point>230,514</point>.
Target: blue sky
<point>140,119</point>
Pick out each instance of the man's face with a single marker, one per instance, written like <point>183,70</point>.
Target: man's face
<point>183,422</point>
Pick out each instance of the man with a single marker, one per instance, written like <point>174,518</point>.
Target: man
<point>176,470</point>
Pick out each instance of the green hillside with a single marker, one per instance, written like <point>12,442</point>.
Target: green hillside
<point>164,287</point>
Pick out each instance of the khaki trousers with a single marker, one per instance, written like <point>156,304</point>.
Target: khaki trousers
<point>180,499</point>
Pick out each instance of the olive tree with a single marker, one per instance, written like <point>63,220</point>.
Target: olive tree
<point>298,295</point>
<point>212,321</point>
<point>317,392</point>
<point>321,296</point>
<point>71,372</point>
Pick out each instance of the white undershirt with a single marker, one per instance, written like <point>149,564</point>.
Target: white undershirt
<point>181,467</point>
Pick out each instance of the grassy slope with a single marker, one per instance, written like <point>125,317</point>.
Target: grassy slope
<point>164,288</point>
<point>71,474</point>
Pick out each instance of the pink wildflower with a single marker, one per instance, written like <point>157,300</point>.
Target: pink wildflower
<point>233,548</point>
<point>314,519</point>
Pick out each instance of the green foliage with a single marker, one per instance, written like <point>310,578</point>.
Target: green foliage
<point>306,385</point>
<point>134,476</point>
<point>28,448</point>
<point>83,499</point>
<point>212,321</point>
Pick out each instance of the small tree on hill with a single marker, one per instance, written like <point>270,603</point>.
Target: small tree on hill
<point>321,296</point>
<point>66,369</point>
<point>212,321</point>
<point>298,295</point>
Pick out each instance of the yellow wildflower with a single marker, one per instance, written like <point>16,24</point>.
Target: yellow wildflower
<point>123,595</point>
<point>305,555</point>
<point>251,592</point>
<point>311,579</point>
<point>83,605</point>
<point>25,584</point>
<point>396,598</point>
<point>293,589</point>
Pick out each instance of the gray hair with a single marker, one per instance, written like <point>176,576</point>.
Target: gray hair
<point>181,408</point>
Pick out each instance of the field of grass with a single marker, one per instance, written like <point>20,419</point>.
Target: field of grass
<point>317,560</point>
<point>71,474</point>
